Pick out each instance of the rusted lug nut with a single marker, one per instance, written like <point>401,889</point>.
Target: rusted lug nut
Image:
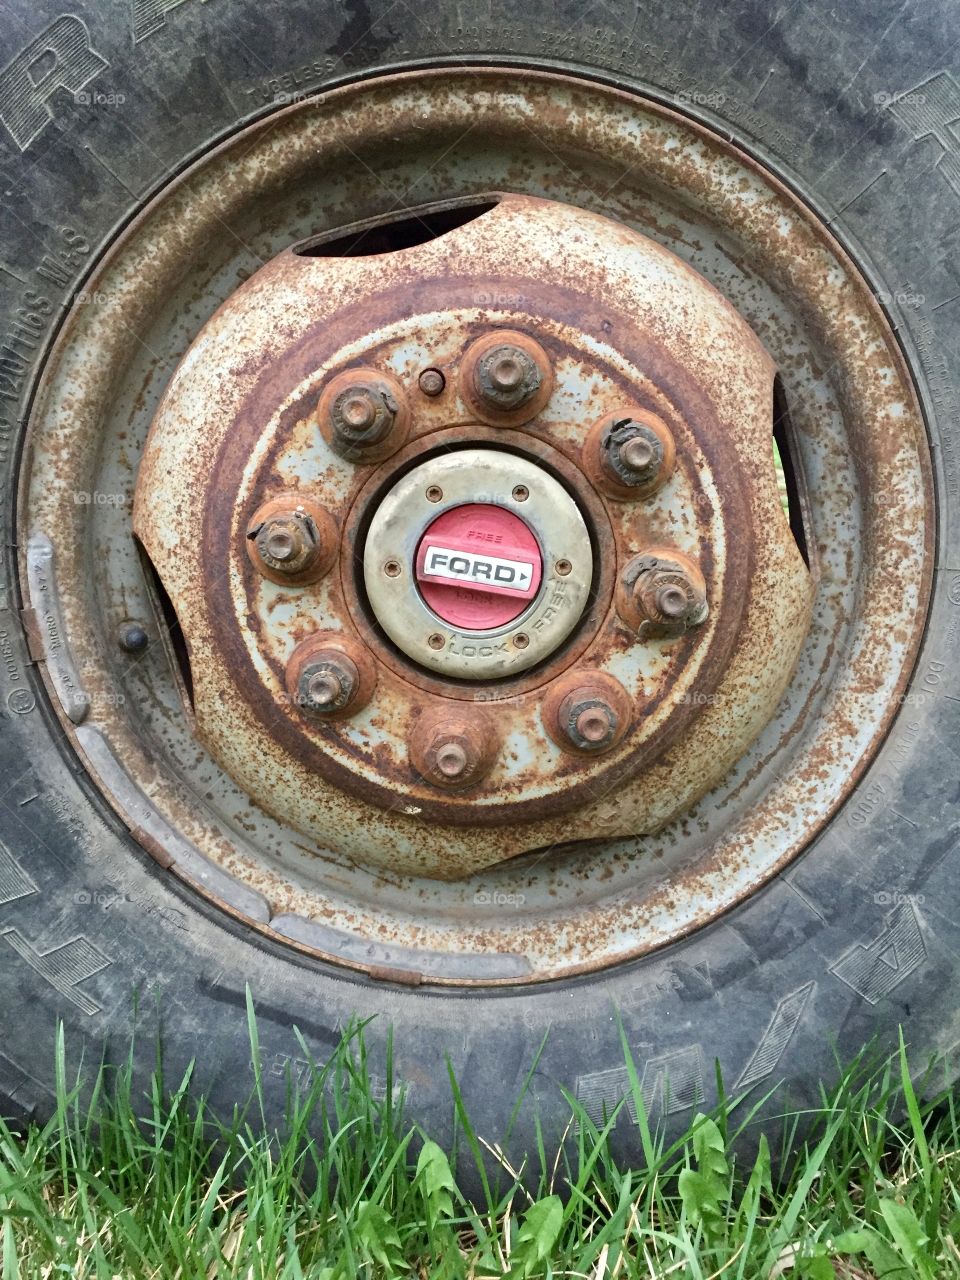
<point>330,676</point>
<point>292,540</point>
<point>327,684</point>
<point>453,749</point>
<point>363,415</point>
<point>506,378</point>
<point>662,592</point>
<point>633,454</point>
<point>630,454</point>
<point>588,712</point>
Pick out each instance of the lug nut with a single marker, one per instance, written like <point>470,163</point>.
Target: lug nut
<point>329,676</point>
<point>630,454</point>
<point>292,540</point>
<point>327,684</point>
<point>363,415</point>
<point>662,593</point>
<point>587,712</point>
<point>452,748</point>
<point>506,378</point>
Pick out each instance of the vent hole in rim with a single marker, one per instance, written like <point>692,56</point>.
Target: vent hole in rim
<point>171,633</point>
<point>793,494</point>
<point>398,233</point>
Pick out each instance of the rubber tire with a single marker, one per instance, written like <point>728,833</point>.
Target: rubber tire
<point>861,934</point>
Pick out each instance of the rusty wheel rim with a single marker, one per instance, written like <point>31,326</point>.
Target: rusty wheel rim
<point>859,440</point>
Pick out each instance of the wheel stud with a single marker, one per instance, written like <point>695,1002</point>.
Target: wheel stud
<point>453,749</point>
<point>662,592</point>
<point>506,377</point>
<point>330,676</point>
<point>363,415</point>
<point>292,540</point>
<point>588,713</point>
<point>631,454</point>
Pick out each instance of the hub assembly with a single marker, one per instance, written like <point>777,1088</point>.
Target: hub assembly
<point>398,505</point>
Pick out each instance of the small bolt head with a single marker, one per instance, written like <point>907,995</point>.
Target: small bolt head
<point>132,637</point>
<point>521,493</point>
<point>327,684</point>
<point>436,641</point>
<point>432,382</point>
<point>507,378</point>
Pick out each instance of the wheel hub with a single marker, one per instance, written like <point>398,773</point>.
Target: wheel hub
<point>555,521</point>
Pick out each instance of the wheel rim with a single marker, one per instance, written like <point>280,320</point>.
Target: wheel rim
<point>858,440</point>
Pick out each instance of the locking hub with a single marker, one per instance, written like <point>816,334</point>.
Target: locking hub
<point>478,566</point>
<point>471,589</point>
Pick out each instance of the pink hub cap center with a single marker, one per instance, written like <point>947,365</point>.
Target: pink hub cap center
<point>478,566</point>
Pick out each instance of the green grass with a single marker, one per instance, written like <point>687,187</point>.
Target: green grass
<point>143,1186</point>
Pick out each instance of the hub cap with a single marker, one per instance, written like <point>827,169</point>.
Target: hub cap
<point>480,595</point>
